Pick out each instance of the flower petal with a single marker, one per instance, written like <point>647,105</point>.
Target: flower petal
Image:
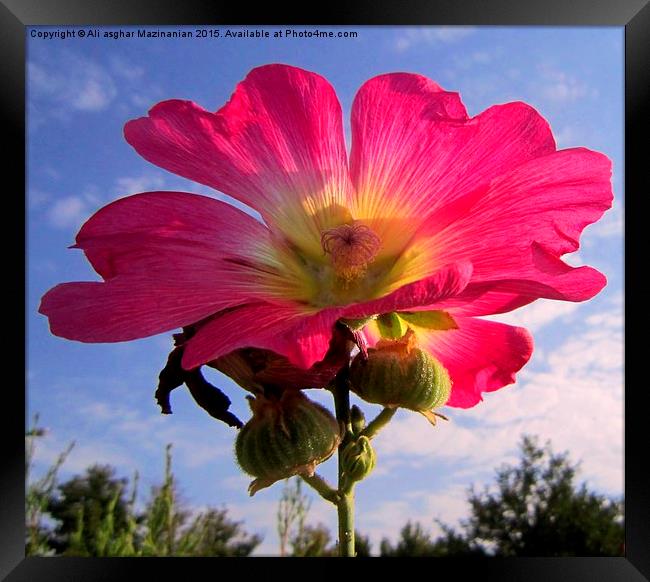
<point>162,229</point>
<point>480,356</point>
<point>414,150</point>
<point>277,146</point>
<point>285,330</point>
<point>447,282</point>
<point>524,220</point>
<point>130,307</point>
<point>168,232</point>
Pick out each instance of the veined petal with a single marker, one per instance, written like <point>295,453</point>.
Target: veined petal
<point>132,232</point>
<point>492,297</point>
<point>131,306</point>
<point>447,282</point>
<point>170,233</point>
<point>480,356</point>
<point>277,146</point>
<point>169,259</point>
<point>414,150</point>
<point>285,330</point>
<point>525,219</point>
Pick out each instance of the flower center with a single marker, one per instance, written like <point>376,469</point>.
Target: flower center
<point>352,247</point>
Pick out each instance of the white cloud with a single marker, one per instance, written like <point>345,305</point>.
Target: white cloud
<point>467,60</point>
<point>538,314</point>
<point>611,225</point>
<point>568,136</point>
<point>82,456</point>
<point>560,87</point>
<point>128,185</point>
<point>68,212</point>
<point>412,37</point>
<point>75,84</point>
<point>37,198</point>
<point>126,69</point>
<point>73,211</point>
<point>577,402</point>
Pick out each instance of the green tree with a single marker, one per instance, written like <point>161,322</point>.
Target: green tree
<point>415,541</point>
<point>168,531</point>
<point>534,509</point>
<point>92,517</point>
<point>89,509</point>
<point>316,541</point>
<point>216,535</point>
<point>537,510</point>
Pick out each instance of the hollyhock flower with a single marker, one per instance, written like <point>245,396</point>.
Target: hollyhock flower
<point>433,211</point>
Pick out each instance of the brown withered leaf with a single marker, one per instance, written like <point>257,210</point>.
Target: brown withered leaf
<point>207,396</point>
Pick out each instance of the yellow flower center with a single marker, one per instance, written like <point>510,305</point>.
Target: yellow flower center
<point>341,262</point>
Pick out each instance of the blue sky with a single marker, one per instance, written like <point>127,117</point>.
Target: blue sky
<point>80,94</point>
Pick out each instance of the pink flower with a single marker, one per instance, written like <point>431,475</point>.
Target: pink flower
<point>432,211</point>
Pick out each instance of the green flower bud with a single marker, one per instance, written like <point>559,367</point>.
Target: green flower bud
<point>358,459</point>
<point>285,437</point>
<point>399,373</point>
<point>357,419</point>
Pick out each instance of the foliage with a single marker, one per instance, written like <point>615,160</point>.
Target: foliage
<point>536,510</point>
<point>93,518</point>
<point>415,541</point>
<point>307,540</point>
<point>38,493</point>
<point>90,510</point>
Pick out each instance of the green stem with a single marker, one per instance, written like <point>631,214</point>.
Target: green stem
<point>379,422</point>
<point>323,488</point>
<point>346,524</point>
<point>345,503</point>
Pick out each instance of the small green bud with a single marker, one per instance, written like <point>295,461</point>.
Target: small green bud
<point>285,437</point>
<point>358,459</point>
<point>357,419</point>
<point>399,373</point>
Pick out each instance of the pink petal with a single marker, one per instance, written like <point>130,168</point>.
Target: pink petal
<point>480,356</point>
<point>285,330</point>
<point>163,231</point>
<point>415,151</point>
<point>521,224</point>
<point>169,260</point>
<point>447,282</point>
<point>129,307</point>
<point>277,146</point>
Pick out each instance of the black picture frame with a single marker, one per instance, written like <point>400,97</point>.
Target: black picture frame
<point>634,15</point>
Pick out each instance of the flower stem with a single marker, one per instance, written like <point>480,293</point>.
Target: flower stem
<point>346,524</point>
<point>379,422</point>
<point>345,503</point>
<point>322,487</point>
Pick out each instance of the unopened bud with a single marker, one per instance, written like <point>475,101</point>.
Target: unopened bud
<point>357,419</point>
<point>358,459</point>
<point>285,437</point>
<point>399,373</point>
